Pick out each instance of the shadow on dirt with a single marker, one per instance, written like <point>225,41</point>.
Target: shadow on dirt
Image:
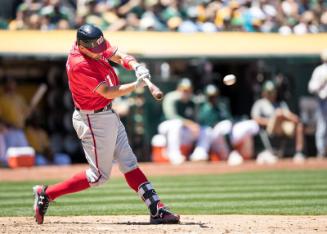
<point>200,224</point>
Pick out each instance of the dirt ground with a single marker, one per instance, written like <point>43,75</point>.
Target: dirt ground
<point>189,223</point>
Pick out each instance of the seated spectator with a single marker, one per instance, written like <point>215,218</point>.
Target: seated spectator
<point>39,140</point>
<point>14,108</point>
<point>214,113</point>
<point>180,126</point>
<point>2,144</point>
<point>276,118</point>
<point>285,17</point>
<point>323,22</point>
<point>13,112</point>
<point>42,15</point>
<point>307,24</point>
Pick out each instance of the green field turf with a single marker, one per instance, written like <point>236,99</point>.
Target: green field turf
<point>273,192</point>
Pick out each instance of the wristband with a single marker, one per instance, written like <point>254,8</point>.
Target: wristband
<point>127,60</point>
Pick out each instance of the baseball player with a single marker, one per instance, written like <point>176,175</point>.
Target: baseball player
<point>214,113</point>
<point>318,86</point>
<point>276,118</point>
<point>180,126</point>
<point>94,84</point>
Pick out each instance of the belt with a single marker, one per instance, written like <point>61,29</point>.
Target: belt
<point>106,108</point>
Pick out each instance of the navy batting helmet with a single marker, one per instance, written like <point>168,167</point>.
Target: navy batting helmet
<point>92,38</point>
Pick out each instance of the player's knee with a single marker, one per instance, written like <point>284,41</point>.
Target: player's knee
<point>222,128</point>
<point>96,178</point>
<point>163,127</point>
<point>170,125</point>
<point>102,179</point>
<point>206,133</point>
<point>126,166</point>
<point>279,114</point>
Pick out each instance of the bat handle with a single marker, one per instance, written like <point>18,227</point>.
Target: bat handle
<point>148,82</point>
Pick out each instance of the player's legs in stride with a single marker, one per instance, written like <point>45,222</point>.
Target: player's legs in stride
<point>96,176</point>
<point>135,178</point>
<point>159,214</point>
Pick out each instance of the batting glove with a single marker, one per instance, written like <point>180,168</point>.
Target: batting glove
<point>140,82</point>
<point>142,72</point>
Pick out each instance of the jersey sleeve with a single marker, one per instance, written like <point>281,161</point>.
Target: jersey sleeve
<point>284,106</point>
<point>169,106</point>
<point>87,78</point>
<point>110,52</point>
<point>203,115</point>
<point>255,111</point>
<point>225,109</point>
<point>316,81</point>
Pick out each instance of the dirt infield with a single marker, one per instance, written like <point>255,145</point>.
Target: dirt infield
<point>63,172</point>
<point>139,224</point>
<point>190,224</point>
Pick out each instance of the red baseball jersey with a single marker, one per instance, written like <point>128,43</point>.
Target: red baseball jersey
<point>85,75</point>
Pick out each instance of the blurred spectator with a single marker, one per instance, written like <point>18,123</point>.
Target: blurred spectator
<point>214,113</point>
<point>284,85</point>
<point>2,143</point>
<point>42,15</point>
<point>323,22</point>
<point>180,127</point>
<point>13,105</point>
<point>285,16</point>
<point>318,86</point>
<point>307,24</point>
<point>190,24</point>
<point>39,140</point>
<point>277,119</point>
<point>13,112</point>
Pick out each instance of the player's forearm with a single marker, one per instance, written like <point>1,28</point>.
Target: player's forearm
<point>169,110</point>
<point>315,84</point>
<point>292,117</point>
<point>261,121</point>
<point>170,113</point>
<point>130,63</point>
<point>116,91</point>
<point>125,60</point>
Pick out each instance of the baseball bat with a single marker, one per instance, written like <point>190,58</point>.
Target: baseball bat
<point>265,140</point>
<point>38,95</point>
<point>155,91</point>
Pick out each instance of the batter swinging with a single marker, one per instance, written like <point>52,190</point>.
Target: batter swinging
<point>94,84</point>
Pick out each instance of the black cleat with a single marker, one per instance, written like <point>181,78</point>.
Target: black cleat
<point>164,216</point>
<point>41,202</point>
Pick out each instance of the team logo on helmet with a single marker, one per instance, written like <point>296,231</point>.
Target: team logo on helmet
<point>100,40</point>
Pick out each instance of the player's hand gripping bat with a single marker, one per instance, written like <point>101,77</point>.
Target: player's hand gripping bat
<point>155,91</point>
<point>143,73</point>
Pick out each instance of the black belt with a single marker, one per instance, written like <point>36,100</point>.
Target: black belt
<point>106,108</point>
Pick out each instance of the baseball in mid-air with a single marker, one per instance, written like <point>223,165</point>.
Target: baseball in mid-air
<point>229,79</point>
